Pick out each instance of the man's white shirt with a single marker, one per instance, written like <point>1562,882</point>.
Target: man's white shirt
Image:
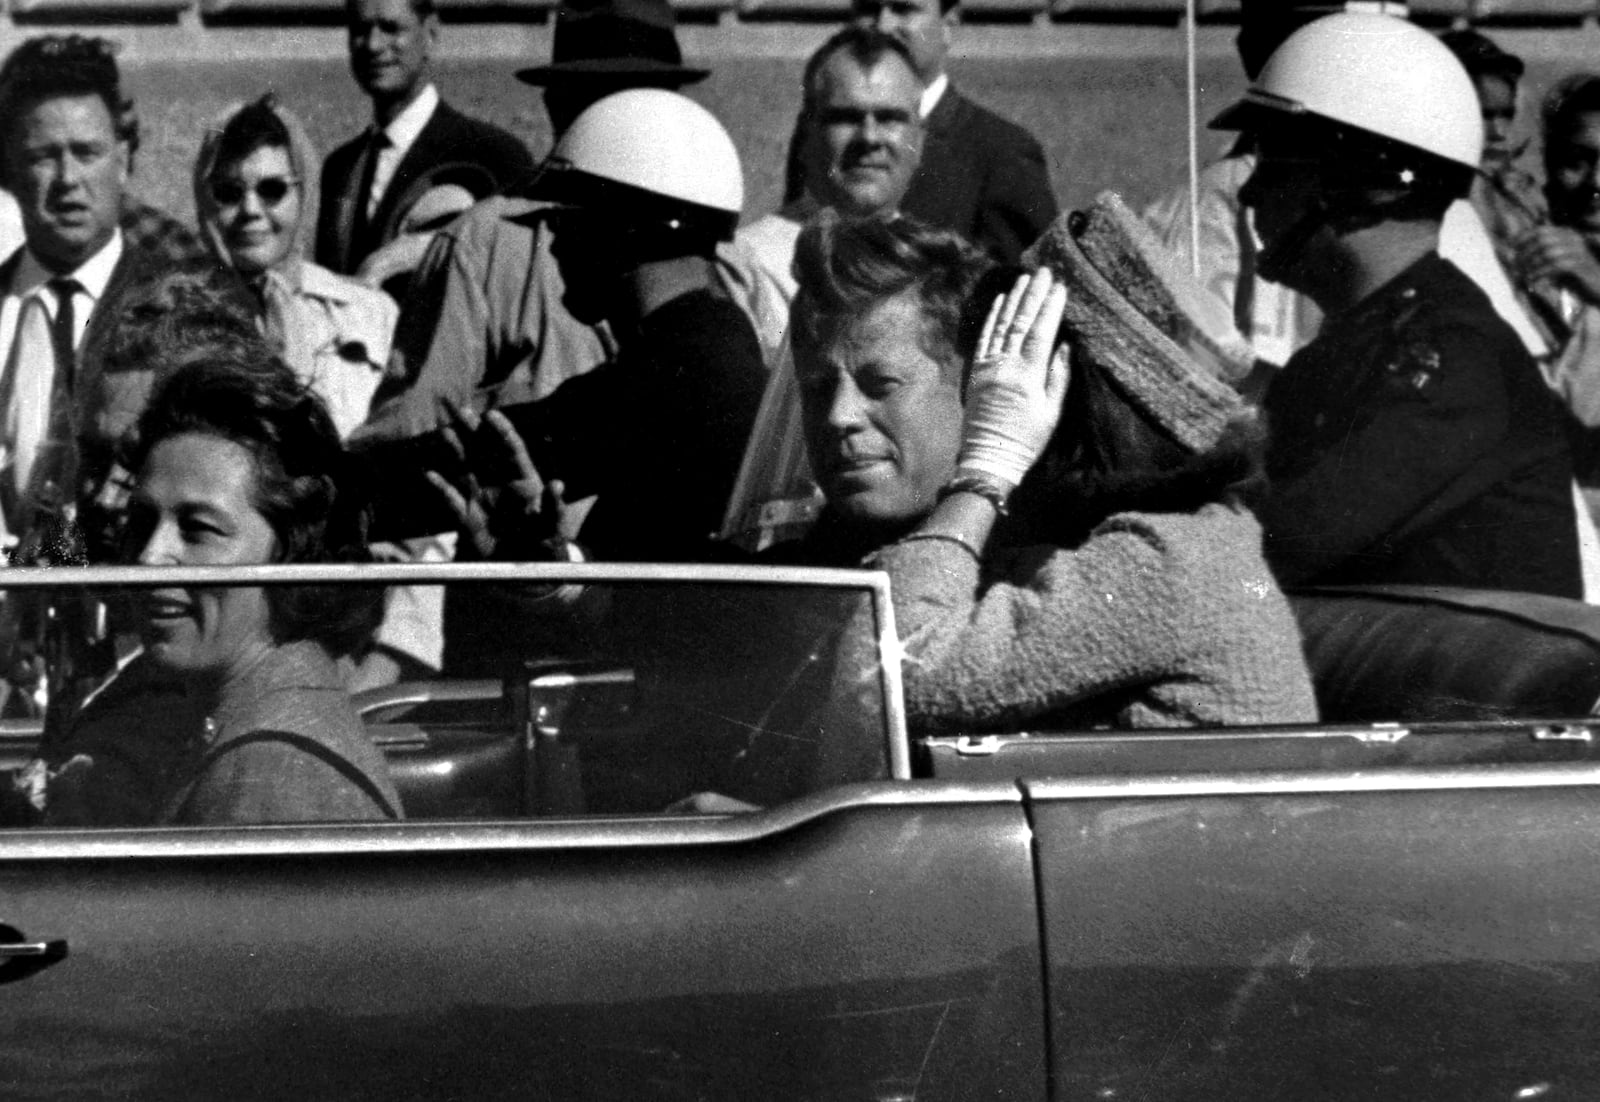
<point>402,132</point>
<point>933,93</point>
<point>30,283</point>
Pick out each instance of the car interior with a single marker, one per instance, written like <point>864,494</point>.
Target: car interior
<point>768,693</point>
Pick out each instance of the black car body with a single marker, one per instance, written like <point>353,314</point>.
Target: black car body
<point>1351,910</point>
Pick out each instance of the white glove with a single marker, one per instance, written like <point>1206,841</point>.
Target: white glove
<point>1019,376</point>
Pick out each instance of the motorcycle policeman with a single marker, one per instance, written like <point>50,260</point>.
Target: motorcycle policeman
<point>649,183</point>
<point>1414,441</point>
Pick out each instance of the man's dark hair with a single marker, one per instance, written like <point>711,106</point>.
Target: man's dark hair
<point>422,8</point>
<point>306,486</point>
<point>1481,56</point>
<point>846,266</point>
<point>1264,25</point>
<point>1571,98</point>
<point>55,66</point>
<point>185,314</point>
<point>866,45</point>
<point>1561,113</point>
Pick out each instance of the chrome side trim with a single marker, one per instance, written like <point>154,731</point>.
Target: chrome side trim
<point>145,577</point>
<point>480,837</point>
<point>1313,782</point>
<point>404,693</point>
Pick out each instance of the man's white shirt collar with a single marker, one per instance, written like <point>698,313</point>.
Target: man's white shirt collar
<point>93,275</point>
<point>403,129</point>
<point>933,92</point>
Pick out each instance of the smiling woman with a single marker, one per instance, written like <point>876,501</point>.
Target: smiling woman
<point>256,195</point>
<point>234,709</point>
<point>238,463</point>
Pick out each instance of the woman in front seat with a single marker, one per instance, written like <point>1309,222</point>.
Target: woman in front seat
<point>234,710</point>
<point>238,463</point>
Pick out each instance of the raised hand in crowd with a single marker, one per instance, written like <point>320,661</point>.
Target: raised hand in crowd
<point>1562,256</point>
<point>503,508</point>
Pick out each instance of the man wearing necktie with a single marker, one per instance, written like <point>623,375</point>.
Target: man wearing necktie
<point>980,174</point>
<point>64,155</point>
<point>416,142</point>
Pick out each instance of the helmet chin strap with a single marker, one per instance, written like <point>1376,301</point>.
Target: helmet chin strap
<point>1280,255</point>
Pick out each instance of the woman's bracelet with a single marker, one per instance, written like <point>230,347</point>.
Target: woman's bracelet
<point>944,537</point>
<point>987,488</point>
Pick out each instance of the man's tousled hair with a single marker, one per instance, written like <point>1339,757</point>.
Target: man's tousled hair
<point>55,66</point>
<point>847,266</point>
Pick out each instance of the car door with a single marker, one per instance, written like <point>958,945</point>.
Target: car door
<point>870,938</point>
<point>1417,933</point>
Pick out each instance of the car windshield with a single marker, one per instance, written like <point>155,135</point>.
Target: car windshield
<point>574,691</point>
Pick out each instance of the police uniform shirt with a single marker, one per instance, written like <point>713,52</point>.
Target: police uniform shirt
<point>1414,442</point>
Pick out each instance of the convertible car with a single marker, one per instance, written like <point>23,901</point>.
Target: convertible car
<point>678,844</point>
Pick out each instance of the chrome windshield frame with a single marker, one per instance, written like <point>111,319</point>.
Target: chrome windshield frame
<point>874,582</point>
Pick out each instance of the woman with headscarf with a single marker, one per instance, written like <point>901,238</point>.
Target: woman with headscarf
<point>255,188</point>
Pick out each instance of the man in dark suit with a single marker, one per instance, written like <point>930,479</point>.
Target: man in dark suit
<point>416,142</point>
<point>64,154</point>
<point>981,175</point>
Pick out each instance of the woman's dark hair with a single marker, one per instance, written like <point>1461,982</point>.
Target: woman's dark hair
<point>187,313</point>
<point>255,126</point>
<point>1572,97</point>
<point>1563,109</point>
<point>306,485</point>
<point>1110,456</point>
<point>846,266</point>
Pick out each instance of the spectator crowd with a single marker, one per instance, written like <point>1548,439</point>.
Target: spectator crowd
<point>1090,457</point>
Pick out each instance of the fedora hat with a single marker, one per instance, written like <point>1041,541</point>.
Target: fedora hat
<point>615,41</point>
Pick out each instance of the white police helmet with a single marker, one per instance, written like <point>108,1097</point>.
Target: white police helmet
<point>649,151</point>
<point>1377,74</point>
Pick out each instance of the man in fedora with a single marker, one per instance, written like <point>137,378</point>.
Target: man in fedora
<point>416,142</point>
<point>485,324</point>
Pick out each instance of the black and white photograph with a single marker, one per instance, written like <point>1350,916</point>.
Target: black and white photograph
<point>800,550</point>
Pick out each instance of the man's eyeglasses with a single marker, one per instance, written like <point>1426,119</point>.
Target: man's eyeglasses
<point>271,190</point>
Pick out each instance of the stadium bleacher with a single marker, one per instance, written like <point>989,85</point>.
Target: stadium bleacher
<point>198,14</point>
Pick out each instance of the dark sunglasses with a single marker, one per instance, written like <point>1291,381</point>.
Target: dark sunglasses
<point>271,191</point>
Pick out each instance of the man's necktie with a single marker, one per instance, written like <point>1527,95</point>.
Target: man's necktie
<point>63,333</point>
<point>55,474</point>
<point>36,403</point>
<point>361,223</point>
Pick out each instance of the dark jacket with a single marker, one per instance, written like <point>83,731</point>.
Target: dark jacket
<point>1414,442</point>
<point>106,403</point>
<point>981,175</point>
<point>452,148</point>
<point>658,433</point>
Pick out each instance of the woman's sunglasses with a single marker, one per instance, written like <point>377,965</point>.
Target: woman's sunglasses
<point>271,190</point>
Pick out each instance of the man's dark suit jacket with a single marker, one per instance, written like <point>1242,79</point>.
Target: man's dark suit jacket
<point>107,398</point>
<point>452,148</point>
<point>981,175</point>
